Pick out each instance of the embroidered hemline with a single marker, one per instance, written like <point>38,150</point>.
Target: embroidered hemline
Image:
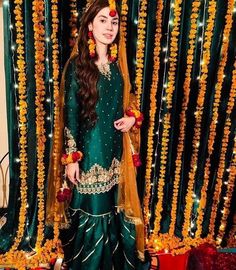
<point>99,180</point>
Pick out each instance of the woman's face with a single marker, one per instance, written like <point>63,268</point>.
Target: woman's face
<point>104,27</point>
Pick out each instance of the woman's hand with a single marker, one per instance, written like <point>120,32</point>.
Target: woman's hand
<point>124,124</point>
<point>72,172</point>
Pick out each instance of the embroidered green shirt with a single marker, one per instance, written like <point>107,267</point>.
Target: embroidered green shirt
<point>102,144</point>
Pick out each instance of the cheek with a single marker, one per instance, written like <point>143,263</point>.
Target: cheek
<point>116,29</point>
<point>97,32</point>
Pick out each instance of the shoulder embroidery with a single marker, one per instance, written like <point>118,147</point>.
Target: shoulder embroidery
<point>99,180</point>
<point>69,142</point>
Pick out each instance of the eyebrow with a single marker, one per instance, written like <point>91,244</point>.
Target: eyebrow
<point>107,18</point>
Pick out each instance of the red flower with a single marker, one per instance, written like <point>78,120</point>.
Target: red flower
<point>67,193</point>
<point>60,196</point>
<point>53,261</point>
<point>112,13</point>
<point>112,58</point>
<point>64,194</point>
<point>90,34</point>
<point>136,160</point>
<point>75,156</point>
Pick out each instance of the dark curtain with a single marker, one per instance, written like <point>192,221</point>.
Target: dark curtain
<point>7,233</point>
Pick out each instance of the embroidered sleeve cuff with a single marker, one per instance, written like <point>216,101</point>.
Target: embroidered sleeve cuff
<point>137,115</point>
<point>71,158</point>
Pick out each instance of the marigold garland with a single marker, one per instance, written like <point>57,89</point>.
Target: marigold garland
<point>219,179</point>
<point>39,43</point>
<point>20,259</point>
<point>123,21</point>
<point>216,104</point>
<point>187,82</point>
<point>161,180</point>
<point>167,117</point>
<point>56,93</point>
<point>173,54</point>
<point>73,22</point>
<point>175,245</point>
<point>198,116</point>
<point>228,196</point>
<point>152,111</point>
<point>224,146</point>
<point>22,116</point>
<point>140,50</point>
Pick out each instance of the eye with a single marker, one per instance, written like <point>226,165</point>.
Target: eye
<point>114,23</point>
<point>102,21</point>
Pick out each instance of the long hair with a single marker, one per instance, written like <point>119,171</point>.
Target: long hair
<point>86,69</point>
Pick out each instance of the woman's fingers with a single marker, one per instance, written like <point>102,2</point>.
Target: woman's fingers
<point>124,124</point>
<point>118,125</point>
<point>119,120</point>
<point>77,174</point>
<point>72,179</point>
<point>72,172</point>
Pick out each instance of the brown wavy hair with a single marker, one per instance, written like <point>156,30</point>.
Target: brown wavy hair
<point>86,69</point>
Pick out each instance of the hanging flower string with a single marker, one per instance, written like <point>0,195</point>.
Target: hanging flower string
<point>124,14</point>
<point>152,112</point>
<point>166,119</point>
<point>73,22</point>
<point>187,82</point>
<point>229,191</point>
<point>56,93</point>
<point>215,110</point>
<point>198,116</point>
<point>22,118</point>
<point>140,51</point>
<point>39,44</point>
<point>219,179</point>
<point>221,167</point>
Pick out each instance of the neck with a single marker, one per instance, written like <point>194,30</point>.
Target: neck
<point>102,53</point>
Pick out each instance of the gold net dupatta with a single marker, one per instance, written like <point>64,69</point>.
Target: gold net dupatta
<point>55,211</point>
<point>128,200</point>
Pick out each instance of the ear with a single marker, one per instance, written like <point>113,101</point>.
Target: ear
<point>90,27</point>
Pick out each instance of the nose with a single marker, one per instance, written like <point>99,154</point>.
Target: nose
<point>109,26</point>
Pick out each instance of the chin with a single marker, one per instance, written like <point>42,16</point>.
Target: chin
<point>107,42</point>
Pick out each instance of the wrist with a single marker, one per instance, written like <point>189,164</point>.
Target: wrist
<point>71,158</point>
<point>133,118</point>
<point>138,116</point>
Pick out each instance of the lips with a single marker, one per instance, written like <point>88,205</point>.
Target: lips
<point>108,36</point>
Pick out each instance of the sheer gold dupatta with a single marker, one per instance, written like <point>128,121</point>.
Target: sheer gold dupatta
<point>55,211</point>
<point>128,200</point>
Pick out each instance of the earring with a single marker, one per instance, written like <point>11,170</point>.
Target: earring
<point>113,52</point>
<point>92,44</point>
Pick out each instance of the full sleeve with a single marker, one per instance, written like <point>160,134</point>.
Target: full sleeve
<point>71,110</point>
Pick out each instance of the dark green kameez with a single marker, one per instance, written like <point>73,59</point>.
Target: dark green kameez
<point>99,238</point>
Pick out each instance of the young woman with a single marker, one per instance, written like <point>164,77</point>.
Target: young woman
<point>106,228</point>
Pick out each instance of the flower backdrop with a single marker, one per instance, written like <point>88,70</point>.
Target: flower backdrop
<point>182,61</point>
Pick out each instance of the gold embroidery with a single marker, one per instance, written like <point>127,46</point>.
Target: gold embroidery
<point>70,142</point>
<point>98,179</point>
